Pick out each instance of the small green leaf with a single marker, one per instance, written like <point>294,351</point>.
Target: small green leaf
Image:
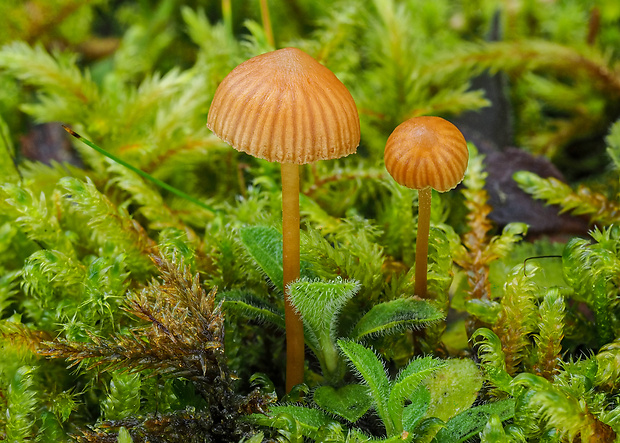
<point>254,307</point>
<point>370,368</point>
<point>413,413</point>
<point>485,310</point>
<point>453,388</point>
<point>421,365</point>
<point>124,436</point>
<point>427,429</point>
<point>493,431</point>
<point>470,422</point>
<point>319,303</point>
<point>396,316</point>
<point>264,244</point>
<point>308,420</point>
<point>256,438</point>
<point>407,382</point>
<point>349,402</point>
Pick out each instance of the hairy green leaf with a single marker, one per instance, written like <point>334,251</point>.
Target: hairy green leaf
<point>308,420</point>
<point>349,402</point>
<point>251,306</point>
<point>408,380</point>
<point>470,422</point>
<point>396,316</point>
<point>414,412</point>
<point>319,303</point>
<point>372,373</point>
<point>264,245</point>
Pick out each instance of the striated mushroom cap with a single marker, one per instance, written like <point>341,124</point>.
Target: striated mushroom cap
<point>284,106</point>
<point>427,151</point>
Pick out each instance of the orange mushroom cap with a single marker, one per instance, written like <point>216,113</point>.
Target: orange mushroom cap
<point>427,151</point>
<point>284,106</point>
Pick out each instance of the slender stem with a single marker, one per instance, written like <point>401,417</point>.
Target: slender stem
<point>139,171</point>
<point>421,244</point>
<point>290,258</point>
<point>227,15</point>
<point>264,13</point>
<point>5,141</point>
<point>330,358</point>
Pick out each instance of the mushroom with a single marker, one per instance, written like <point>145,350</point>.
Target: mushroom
<point>424,153</point>
<point>284,106</point>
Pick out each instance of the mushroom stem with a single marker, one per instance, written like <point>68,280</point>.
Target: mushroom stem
<point>290,259</point>
<point>421,245</point>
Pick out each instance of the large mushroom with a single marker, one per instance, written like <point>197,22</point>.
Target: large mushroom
<point>284,106</point>
<point>424,153</point>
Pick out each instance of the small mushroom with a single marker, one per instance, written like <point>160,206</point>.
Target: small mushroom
<point>284,106</point>
<point>424,153</point>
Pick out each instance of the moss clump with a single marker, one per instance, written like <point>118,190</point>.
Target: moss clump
<point>115,293</point>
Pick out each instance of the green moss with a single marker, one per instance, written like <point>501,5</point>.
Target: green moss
<point>128,282</point>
